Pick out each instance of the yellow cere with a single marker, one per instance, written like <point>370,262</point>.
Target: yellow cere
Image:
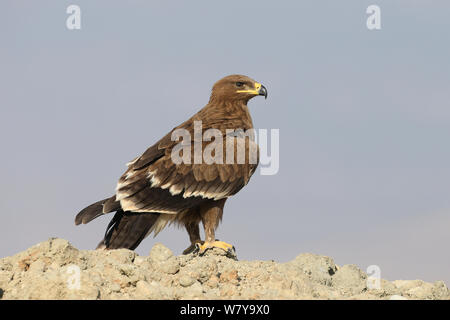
<point>255,91</point>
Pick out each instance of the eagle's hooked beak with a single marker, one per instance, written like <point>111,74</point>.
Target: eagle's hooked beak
<point>259,90</point>
<point>263,91</point>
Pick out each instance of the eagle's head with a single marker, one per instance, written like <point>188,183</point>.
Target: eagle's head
<point>237,88</point>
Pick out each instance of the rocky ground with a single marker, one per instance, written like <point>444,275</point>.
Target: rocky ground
<point>54,269</point>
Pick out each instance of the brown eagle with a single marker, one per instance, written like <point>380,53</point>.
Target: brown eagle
<point>156,190</point>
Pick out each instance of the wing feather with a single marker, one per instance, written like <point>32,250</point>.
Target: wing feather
<point>154,183</point>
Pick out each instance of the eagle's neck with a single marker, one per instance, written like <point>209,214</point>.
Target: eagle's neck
<point>226,115</point>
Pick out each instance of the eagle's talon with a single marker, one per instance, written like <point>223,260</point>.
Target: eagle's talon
<point>193,248</point>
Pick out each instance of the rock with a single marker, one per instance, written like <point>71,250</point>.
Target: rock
<point>440,290</point>
<point>37,266</point>
<point>195,291</point>
<point>201,269</point>
<point>160,253</point>
<point>186,281</point>
<point>171,266</point>
<point>123,256</point>
<point>229,276</point>
<point>163,259</point>
<point>421,292</point>
<point>318,268</point>
<point>139,260</point>
<point>114,287</point>
<point>213,282</point>
<point>407,284</point>
<point>5,278</point>
<point>152,290</point>
<point>350,280</point>
<point>54,269</point>
<point>144,289</point>
<point>386,288</point>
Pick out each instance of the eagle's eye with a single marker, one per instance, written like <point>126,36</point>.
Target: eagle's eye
<point>239,84</point>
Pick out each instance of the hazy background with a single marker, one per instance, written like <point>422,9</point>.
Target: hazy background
<point>364,119</point>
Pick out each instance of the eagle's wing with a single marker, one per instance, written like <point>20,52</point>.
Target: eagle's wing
<point>154,183</point>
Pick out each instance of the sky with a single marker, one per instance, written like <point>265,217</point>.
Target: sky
<point>363,118</point>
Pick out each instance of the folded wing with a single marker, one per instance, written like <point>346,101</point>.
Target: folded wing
<point>155,183</point>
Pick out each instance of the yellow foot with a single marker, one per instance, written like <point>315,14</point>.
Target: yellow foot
<point>215,244</point>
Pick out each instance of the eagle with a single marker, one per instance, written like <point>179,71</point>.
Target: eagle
<point>156,190</point>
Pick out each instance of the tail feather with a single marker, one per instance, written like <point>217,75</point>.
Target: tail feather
<point>97,209</point>
<point>127,229</point>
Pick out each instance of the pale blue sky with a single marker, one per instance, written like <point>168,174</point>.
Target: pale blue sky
<point>364,119</point>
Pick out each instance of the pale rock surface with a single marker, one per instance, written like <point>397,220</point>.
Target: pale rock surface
<point>54,269</point>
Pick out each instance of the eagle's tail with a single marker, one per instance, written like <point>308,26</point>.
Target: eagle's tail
<point>97,209</point>
<point>128,229</point>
